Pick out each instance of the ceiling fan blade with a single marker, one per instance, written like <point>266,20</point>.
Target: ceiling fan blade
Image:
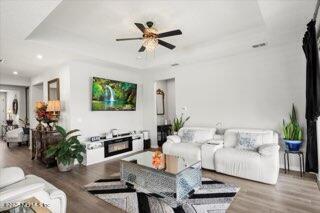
<point>170,33</point>
<point>142,48</point>
<point>127,39</point>
<point>140,26</point>
<point>166,44</point>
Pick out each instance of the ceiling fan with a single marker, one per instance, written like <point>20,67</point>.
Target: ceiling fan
<point>151,38</point>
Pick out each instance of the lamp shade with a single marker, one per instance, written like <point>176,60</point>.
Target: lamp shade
<point>54,106</point>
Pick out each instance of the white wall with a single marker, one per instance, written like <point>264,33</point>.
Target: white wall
<point>14,80</point>
<point>61,72</point>
<point>93,123</point>
<point>254,89</point>
<point>171,99</point>
<point>13,92</point>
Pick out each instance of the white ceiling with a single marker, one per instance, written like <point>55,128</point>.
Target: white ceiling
<point>86,30</point>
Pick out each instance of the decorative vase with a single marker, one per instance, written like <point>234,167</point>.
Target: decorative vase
<point>40,126</point>
<point>49,127</point>
<point>65,168</point>
<point>158,161</point>
<point>293,145</point>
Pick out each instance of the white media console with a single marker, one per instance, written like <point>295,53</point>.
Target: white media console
<point>106,149</point>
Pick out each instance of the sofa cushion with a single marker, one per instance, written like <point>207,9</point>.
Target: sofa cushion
<point>242,163</point>
<point>196,134</point>
<point>10,175</point>
<point>231,136</point>
<point>187,150</point>
<point>249,141</point>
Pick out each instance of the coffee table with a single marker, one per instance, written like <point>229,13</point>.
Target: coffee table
<point>174,183</point>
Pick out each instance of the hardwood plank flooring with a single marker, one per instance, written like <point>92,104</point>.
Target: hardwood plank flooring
<point>291,194</point>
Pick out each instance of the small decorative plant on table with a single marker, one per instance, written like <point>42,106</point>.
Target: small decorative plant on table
<point>158,161</point>
<point>292,132</point>
<point>67,149</point>
<point>178,123</point>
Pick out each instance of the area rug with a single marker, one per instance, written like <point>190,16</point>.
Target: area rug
<point>213,196</point>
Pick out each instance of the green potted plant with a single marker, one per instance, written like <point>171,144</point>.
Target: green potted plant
<point>178,123</point>
<point>292,132</point>
<point>67,149</point>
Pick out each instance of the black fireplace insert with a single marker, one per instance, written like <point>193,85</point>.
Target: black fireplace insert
<point>117,146</point>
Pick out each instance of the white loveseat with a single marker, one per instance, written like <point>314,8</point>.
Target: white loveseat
<point>261,164</point>
<point>15,186</point>
<point>16,136</point>
<point>188,142</point>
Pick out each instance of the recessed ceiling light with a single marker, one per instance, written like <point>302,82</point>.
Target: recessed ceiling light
<point>15,72</point>
<point>39,56</point>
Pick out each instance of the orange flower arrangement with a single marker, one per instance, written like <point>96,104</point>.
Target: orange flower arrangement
<point>41,112</point>
<point>158,160</point>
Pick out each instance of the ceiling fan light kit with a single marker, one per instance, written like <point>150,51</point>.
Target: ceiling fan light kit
<point>150,37</point>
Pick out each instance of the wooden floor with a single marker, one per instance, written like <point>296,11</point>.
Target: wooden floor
<point>291,194</point>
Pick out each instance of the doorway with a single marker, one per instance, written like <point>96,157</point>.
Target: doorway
<point>165,108</point>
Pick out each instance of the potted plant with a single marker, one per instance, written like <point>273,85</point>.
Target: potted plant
<point>178,123</point>
<point>67,149</point>
<point>292,132</point>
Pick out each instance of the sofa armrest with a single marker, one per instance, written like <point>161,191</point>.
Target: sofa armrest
<point>11,195</point>
<point>59,195</point>
<point>173,139</point>
<point>268,149</point>
<point>10,175</point>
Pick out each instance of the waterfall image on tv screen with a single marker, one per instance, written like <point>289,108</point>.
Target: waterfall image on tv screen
<point>111,95</point>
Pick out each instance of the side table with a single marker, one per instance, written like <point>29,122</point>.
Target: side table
<point>286,160</point>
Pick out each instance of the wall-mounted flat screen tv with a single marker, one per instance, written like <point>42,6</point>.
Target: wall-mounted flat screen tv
<point>111,95</point>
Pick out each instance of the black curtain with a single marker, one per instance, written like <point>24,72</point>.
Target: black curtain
<point>310,49</point>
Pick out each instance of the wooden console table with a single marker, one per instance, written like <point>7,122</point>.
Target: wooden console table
<point>41,140</point>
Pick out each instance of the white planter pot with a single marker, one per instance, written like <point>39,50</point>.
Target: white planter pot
<point>65,168</point>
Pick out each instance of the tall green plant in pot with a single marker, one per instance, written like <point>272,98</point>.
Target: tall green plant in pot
<point>67,150</point>
<point>292,132</point>
<point>178,123</point>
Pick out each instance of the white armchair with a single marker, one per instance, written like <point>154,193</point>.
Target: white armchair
<point>188,142</point>
<point>16,136</point>
<point>15,186</point>
<point>260,164</point>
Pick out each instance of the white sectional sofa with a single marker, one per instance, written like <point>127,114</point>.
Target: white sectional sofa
<point>261,164</point>
<point>223,154</point>
<point>188,142</point>
<point>15,186</point>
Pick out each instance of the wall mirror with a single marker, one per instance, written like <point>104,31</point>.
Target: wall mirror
<point>160,102</point>
<point>54,89</point>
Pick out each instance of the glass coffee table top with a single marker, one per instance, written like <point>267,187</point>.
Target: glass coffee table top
<point>172,164</point>
<point>172,178</point>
